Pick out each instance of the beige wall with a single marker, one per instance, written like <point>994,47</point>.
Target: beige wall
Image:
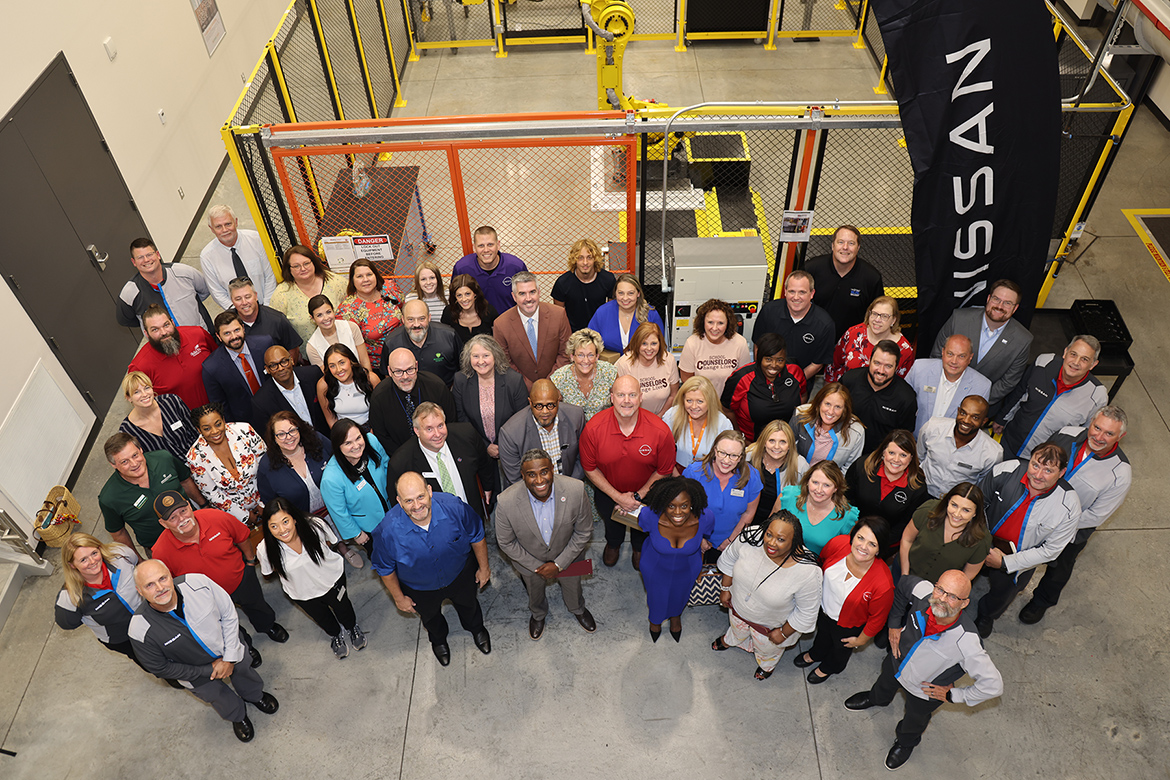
<point>161,64</point>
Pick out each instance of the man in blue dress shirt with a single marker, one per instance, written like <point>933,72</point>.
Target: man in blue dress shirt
<point>430,548</point>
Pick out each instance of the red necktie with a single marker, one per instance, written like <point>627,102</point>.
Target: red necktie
<point>249,374</point>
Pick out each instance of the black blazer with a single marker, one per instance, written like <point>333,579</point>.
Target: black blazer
<point>471,459</point>
<point>226,385</point>
<point>511,397</point>
<point>269,400</point>
<point>286,482</point>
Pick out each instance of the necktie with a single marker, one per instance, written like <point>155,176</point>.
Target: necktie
<point>238,264</point>
<point>532,335</point>
<point>249,374</point>
<point>445,477</point>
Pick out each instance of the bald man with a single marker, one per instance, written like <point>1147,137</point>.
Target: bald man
<point>430,548</point>
<point>288,388</point>
<point>623,452</point>
<point>393,403</point>
<point>433,344</point>
<point>931,612</point>
<point>941,384</point>
<point>186,629</point>
<point>549,424</point>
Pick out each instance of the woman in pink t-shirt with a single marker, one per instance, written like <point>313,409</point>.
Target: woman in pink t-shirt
<point>647,360</point>
<point>714,350</point>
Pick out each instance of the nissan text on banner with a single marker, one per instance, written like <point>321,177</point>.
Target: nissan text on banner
<point>979,94</point>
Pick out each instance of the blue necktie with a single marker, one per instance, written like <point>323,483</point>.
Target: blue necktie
<point>532,335</point>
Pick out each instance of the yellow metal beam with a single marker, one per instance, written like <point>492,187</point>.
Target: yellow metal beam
<point>228,133</point>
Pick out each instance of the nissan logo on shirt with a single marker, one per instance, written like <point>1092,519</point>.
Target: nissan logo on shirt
<point>900,496</point>
<point>788,381</point>
<point>645,450</point>
<point>808,338</point>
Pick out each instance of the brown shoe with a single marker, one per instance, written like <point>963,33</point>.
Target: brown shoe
<point>586,620</point>
<point>535,628</point>
<point>636,559</point>
<point>610,556</point>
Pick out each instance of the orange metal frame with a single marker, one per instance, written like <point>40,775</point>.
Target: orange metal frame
<point>452,149</point>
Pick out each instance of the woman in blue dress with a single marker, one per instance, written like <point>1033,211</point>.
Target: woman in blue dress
<point>673,554</point>
<point>733,488</point>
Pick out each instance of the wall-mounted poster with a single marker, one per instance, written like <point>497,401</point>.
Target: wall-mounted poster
<point>210,23</point>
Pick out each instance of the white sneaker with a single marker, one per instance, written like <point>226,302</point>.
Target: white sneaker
<point>339,648</point>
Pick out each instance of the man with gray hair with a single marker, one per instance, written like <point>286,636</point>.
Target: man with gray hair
<point>435,345</point>
<point>533,334</point>
<point>259,319</point>
<point>1053,394</point>
<point>1101,475</point>
<point>232,254</point>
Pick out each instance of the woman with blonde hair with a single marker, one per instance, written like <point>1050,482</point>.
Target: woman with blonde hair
<point>648,361</point>
<point>820,505</point>
<point>733,490</point>
<point>827,429</point>
<point>617,320</point>
<point>585,381</point>
<point>774,456</point>
<point>428,288</point>
<point>159,421</point>
<point>882,321</point>
<point>695,419</point>
<point>582,289</point>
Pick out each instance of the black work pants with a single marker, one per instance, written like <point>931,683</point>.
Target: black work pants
<point>916,717</point>
<point>827,647</point>
<point>332,610</point>
<point>464,595</point>
<point>615,532</point>
<point>1057,573</point>
<point>249,597</point>
<point>1003,589</point>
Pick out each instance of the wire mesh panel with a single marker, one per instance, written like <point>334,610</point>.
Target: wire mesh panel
<point>300,61</point>
<point>377,53</point>
<point>548,17</point>
<point>820,15</point>
<point>439,21</point>
<point>541,197</point>
<point>399,37</point>
<point>343,56</point>
<point>654,17</point>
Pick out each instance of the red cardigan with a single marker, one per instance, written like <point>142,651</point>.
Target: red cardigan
<point>870,601</point>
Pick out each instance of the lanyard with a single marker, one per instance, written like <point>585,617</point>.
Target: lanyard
<point>695,442</point>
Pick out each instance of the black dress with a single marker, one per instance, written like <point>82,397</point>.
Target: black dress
<point>897,507</point>
<point>451,317</point>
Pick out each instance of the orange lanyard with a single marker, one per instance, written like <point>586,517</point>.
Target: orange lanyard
<point>696,440</point>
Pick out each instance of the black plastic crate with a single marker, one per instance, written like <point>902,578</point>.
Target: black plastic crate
<point>1101,318</point>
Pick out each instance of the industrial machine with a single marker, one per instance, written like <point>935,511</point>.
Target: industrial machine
<point>732,269</point>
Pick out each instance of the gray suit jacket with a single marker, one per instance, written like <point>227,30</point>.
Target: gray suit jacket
<point>925,376</point>
<point>519,435</point>
<point>519,537</point>
<point>1004,363</point>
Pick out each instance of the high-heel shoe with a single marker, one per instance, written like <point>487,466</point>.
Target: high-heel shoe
<point>761,674</point>
<point>655,634</point>
<point>676,633</point>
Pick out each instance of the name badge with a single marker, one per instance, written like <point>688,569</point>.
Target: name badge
<point>141,500</point>
<point>176,425</point>
<point>361,485</point>
<point>930,389</point>
<point>737,493</point>
<point>430,475</point>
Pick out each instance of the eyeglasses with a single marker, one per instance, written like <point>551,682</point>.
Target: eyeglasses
<point>543,407</point>
<point>951,597</point>
<point>282,363</point>
<point>285,434</point>
<point>880,316</point>
<point>1000,301</point>
<point>728,455</point>
<point>585,355</point>
<point>401,372</point>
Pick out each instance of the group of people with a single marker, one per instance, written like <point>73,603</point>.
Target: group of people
<point>867,505</point>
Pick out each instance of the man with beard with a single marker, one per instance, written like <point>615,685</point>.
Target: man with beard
<point>954,451</point>
<point>232,375</point>
<point>845,283</point>
<point>882,400</point>
<point>393,403</point>
<point>932,644</point>
<point>288,388</point>
<point>434,345</point>
<point>173,357</point>
<point>533,334</point>
<point>1001,344</point>
<point>547,423</point>
<point>258,318</point>
<point>179,289</point>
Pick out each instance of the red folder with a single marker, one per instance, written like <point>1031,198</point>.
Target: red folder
<point>578,569</point>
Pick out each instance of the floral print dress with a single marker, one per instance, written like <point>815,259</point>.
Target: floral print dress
<point>854,350</point>
<point>223,491</point>
<point>376,319</point>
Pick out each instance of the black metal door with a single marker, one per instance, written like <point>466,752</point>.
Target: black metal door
<point>62,192</point>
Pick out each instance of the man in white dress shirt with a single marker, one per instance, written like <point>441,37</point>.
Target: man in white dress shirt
<point>954,451</point>
<point>232,254</point>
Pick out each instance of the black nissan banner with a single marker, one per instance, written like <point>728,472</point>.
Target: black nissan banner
<point>979,95</point>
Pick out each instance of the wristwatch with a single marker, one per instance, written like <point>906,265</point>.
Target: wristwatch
<point>638,498</point>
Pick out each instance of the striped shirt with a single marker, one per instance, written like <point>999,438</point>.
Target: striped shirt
<point>178,432</point>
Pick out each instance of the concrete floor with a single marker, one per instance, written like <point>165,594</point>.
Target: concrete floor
<point>613,704</point>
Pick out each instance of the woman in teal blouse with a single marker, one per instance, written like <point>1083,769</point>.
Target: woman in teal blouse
<point>820,504</point>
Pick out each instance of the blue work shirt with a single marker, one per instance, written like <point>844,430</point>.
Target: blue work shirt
<point>725,506</point>
<point>431,559</point>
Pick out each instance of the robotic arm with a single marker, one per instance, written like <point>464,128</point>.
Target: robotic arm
<point>612,21</point>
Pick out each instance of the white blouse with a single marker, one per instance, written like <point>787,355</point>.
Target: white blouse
<point>682,450</point>
<point>761,594</point>
<point>839,582</point>
<point>303,579</point>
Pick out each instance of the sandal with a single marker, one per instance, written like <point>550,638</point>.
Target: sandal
<point>719,645</point>
<point>761,674</point>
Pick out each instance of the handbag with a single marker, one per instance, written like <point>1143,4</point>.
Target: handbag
<point>707,587</point>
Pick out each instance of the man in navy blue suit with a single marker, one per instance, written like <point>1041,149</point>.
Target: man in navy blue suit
<point>232,375</point>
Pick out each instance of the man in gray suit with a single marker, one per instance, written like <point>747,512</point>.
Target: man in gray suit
<point>543,525</point>
<point>941,385</point>
<point>548,424</point>
<point>1000,343</point>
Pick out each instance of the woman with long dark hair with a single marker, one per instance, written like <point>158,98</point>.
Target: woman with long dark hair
<point>468,311</point>
<point>950,534</point>
<point>772,589</point>
<point>372,303</point>
<point>303,275</point>
<point>353,483</point>
<point>346,386</point>
<point>296,548</point>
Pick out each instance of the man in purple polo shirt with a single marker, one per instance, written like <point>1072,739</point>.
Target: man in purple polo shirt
<point>491,268</point>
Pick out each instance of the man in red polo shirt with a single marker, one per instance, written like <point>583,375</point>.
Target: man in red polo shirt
<point>173,357</point>
<point>213,543</point>
<point>623,453</point>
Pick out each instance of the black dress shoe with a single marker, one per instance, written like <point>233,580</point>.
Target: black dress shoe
<point>1033,612</point>
<point>610,556</point>
<point>244,730</point>
<point>483,641</point>
<point>677,635</point>
<point>586,620</point>
<point>535,628</point>
<point>256,659</point>
<point>800,663</point>
<point>267,704</point>
<point>899,754</point>
<point>860,701</point>
<point>985,625</point>
<point>443,653</point>
<point>816,679</point>
<point>655,634</point>
<point>277,633</point>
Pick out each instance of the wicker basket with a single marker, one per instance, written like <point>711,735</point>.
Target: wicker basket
<point>57,517</point>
